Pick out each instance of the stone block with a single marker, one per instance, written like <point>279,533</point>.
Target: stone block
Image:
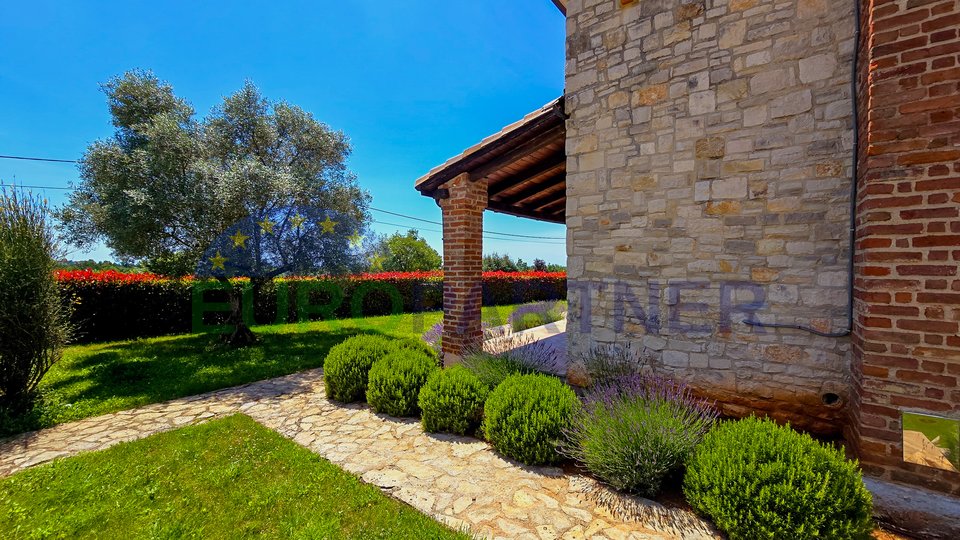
<point>729,188</point>
<point>651,94</point>
<point>732,34</point>
<point>791,104</point>
<point>710,148</point>
<point>702,102</point>
<point>818,68</point>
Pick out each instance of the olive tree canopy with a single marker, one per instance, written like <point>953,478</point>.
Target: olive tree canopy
<point>167,184</point>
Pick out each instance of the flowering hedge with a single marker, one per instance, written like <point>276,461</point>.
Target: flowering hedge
<point>112,305</point>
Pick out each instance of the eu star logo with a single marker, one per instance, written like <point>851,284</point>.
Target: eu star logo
<point>239,240</point>
<point>328,225</point>
<point>217,261</point>
<point>266,225</point>
<point>355,239</point>
<point>297,221</point>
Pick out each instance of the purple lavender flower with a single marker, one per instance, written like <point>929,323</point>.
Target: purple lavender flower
<point>633,431</point>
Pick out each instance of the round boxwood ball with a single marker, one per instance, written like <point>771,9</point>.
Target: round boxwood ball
<point>347,365</point>
<point>525,415</point>
<point>452,401</point>
<point>756,479</point>
<point>395,381</point>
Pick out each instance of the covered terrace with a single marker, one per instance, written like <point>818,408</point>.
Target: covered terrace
<point>521,171</point>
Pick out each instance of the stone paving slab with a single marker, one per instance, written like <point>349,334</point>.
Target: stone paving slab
<point>459,481</point>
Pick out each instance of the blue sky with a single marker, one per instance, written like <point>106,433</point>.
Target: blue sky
<point>412,83</point>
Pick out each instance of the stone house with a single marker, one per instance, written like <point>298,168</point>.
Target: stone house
<point>763,194</point>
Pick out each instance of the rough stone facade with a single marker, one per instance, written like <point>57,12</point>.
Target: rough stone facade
<point>709,168</point>
<point>907,336</point>
<point>462,264</point>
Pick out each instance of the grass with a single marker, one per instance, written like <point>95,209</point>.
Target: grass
<point>536,314</point>
<point>228,478</point>
<point>106,377</point>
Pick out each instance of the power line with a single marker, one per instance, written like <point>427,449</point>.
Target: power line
<point>34,187</point>
<point>486,231</point>
<point>24,158</point>
<point>485,236</point>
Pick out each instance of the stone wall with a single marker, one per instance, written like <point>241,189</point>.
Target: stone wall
<point>708,178</point>
<point>907,336</point>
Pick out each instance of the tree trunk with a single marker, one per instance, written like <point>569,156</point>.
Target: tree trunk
<point>241,336</point>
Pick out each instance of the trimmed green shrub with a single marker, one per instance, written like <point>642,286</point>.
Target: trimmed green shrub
<point>758,480</point>
<point>346,368</point>
<point>452,401</point>
<point>396,379</point>
<point>524,417</point>
<point>635,431</point>
<point>416,346</point>
<point>34,325</point>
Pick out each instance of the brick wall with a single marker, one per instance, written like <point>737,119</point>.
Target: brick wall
<point>462,264</point>
<point>907,347</point>
<point>709,160</point>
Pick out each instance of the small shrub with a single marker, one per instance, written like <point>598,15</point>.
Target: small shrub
<point>348,364</point>
<point>395,382</point>
<point>415,346</point>
<point>515,359</point>
<point>756,479</point>
<point>525,415</point>
<point>34,326</point>
<point>452,401</point>
<point>535,314</point>
<point>632,433</point>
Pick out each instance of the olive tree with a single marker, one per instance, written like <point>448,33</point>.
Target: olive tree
<point>167,185</point>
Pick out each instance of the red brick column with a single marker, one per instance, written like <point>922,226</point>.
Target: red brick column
<point>906,343</point>
<point>462,265</point>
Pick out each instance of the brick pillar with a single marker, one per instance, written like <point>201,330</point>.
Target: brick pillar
<point>906,342</point>
<point>462,265</point>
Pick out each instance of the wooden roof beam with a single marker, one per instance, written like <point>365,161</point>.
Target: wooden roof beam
<point>518,152</point>
<point>547,167</point>
<point>519,212</point>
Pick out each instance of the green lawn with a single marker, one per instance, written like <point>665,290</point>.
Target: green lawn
<point>106,377</point>
<point>229,478</point>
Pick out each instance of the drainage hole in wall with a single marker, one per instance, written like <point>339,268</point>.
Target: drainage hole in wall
<point>830,399</point>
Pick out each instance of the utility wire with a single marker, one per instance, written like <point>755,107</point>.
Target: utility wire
<point>485,236</point>
<point>50,160</point>
<point>488,232</point>
<point>24,158</point>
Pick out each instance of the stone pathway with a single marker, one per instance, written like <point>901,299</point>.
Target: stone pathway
<point>457,480</point>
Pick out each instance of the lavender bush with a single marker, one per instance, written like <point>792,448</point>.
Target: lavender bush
<point>511,356</point>
<point>633,431</point>
<point>434,336</point>
<point>535,314</point>
<point>612,361</point>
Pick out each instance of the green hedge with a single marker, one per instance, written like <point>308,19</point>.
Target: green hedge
<point>107,311</point>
